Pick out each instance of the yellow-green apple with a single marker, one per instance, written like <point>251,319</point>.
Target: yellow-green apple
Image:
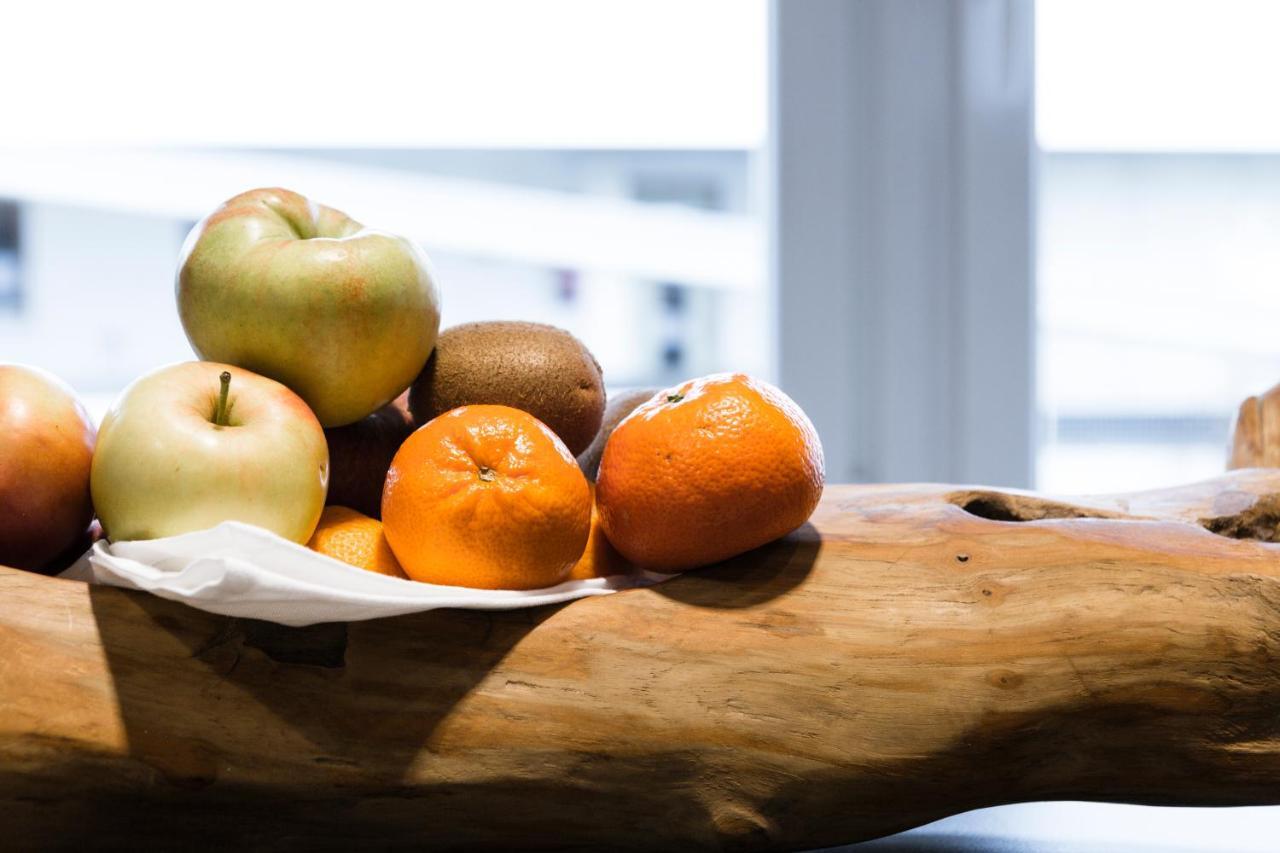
<point>344,315</point>
<point>46,446</point>
<point>360,455</point>
<point>194,444</point>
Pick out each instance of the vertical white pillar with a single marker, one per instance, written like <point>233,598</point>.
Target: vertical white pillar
<point>902,256</point>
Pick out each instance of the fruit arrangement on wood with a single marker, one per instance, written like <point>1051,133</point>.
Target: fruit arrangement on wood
<point>328,408</point>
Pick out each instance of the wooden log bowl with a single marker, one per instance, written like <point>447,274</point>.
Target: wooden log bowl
<point>912,652</point>
<point>1255,435</point>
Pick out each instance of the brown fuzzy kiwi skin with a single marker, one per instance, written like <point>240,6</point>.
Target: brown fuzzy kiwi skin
<point>541,369</point>
<point>619,407</point>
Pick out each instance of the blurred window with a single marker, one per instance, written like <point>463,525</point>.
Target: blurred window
<point>595,189</point>
<point>10,258</point>
<point>1159,235</point>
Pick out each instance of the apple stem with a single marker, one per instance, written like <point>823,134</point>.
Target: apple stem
<point>220,415</point>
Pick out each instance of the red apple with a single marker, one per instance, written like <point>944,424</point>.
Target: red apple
<point>360,454</point>
<point>82,543</point>
<point>46,449</point>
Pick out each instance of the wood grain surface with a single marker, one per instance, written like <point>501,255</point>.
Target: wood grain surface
<point>1255,435</point>
<point>912,652</point>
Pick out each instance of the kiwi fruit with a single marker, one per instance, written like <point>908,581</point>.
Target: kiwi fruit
<point>619,407</point>
<point>540,369</point>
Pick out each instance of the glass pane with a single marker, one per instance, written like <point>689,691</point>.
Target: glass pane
<point>580,165</point>
<point>1158,258</point>
<point>653,258</point>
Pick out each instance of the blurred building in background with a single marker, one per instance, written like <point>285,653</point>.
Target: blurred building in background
<point>653,258</point>
<point>595,166</point>
<point>1159,258</point>
<point>621,194</point>
<point>1159,296</point>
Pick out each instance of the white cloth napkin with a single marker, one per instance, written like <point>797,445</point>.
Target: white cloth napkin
<point>240,570</point>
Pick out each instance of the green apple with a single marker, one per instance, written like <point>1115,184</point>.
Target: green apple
<point>191,445</point>
<point>344,315</point>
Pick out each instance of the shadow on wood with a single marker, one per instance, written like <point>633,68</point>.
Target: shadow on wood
<point>292,678</point>
<point>770,572</point>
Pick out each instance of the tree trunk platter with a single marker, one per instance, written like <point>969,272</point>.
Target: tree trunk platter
<point>912,652</point>
<point>1255,435</point>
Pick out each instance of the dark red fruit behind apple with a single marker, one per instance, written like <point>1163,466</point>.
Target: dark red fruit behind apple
<point>74,551</point>
<point>46,449</point>
<point>360,454</point>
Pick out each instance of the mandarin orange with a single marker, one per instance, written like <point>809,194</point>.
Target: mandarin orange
<point>486,496</point>
<point>599,559</point>
<point>707,470</point>
<point>355,538</point>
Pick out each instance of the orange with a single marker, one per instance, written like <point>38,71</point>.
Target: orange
<point>707,470</point>
<point>599,559</point>
<point>354,538</point>
<point>488,497</point>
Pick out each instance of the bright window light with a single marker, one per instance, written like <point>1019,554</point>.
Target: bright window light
<point>1157,75</point>
<point>1159,192</point>
<point>481,73</point>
